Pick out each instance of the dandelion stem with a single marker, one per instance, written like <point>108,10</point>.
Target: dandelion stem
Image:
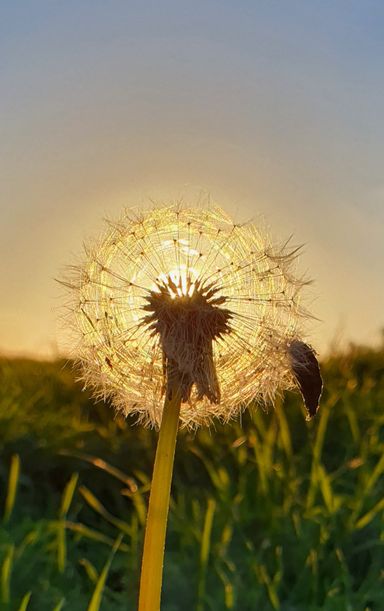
<point>154,541</point>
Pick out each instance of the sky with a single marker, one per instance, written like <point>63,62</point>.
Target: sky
<point>273,108</point>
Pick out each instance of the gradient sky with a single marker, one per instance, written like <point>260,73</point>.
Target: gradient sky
<point>275,108</point>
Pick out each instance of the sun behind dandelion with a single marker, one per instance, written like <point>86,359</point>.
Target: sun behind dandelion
<point>179,294</point>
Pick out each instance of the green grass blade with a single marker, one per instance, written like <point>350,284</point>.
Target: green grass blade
<point>88,533</point>
<point>132,491</point>
<point>6,571</point>
<point>368,517</point>
<point>95,602</point>
<point>229,599</point>
<point>59,605</point>
<point>376,473</point>
<point>326,488</point>
<point>25,602</point>
<point>265,580</point>
<point>30,539</point>
<point>93,502</point>
<point>325,413</point>
<point>65,504</point>
<point>68,495</point>
<point>13,480</point>
<point>204,553</point>
<point>89,569</point>
<point>262,453</point>
<point>284,431</point>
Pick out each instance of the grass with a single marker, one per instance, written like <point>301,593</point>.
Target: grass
<point>276,514</point>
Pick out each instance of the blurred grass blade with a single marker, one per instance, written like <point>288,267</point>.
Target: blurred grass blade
<point>6,571</point>
<point>65,504</point>
<point>219,475</point>
<point>229,599</point>
<point>132,491</point>
<point>89,569</point>
<point>104,466</point>
<point>25,601</point>
<point>258,450</point>
<point>265,579</point>
<point>325,413</point>
<point>325,487</point>
<point>204,553</point>
<point>59,605</point>
<point>13,480</point>
<point>368,517</point>
<point>95,603</point>
<point>376,473</point>
<point>138,503</point>
<point>100,509</point>
<point>321,431</point>
<point>353,422</point>
<point>90,533</point>
<point>284,431</point>
<point>68,495</point>
<point>30,539</point>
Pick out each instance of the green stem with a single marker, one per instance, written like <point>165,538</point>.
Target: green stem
<point>154,541</point>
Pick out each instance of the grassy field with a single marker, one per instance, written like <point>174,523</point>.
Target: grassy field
<point>275,513</point>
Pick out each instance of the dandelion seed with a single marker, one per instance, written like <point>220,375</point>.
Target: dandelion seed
<point>186,293</point>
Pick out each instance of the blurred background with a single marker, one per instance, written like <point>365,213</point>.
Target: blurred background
<point>274,109</point>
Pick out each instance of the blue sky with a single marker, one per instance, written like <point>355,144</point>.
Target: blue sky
<point>275,108</point>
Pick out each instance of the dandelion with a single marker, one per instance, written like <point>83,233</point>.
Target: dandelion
<point>183,316</point>
<point>185,292</point>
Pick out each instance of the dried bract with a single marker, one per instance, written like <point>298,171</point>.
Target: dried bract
<point>188,318</point>
<point>306,370</point>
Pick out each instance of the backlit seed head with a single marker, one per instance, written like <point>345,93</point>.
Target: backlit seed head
<point>185,296</point>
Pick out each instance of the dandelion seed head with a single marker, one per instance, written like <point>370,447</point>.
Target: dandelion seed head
<point>183,293</point>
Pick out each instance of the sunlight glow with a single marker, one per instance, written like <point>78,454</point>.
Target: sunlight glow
<point>180,249</point>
